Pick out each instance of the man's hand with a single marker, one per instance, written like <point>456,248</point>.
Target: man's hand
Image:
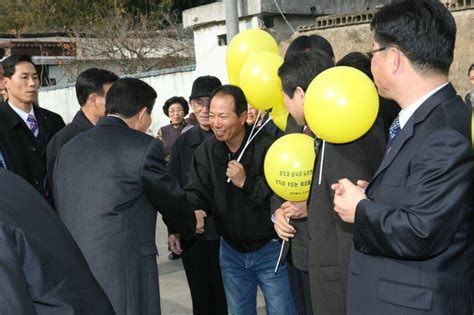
<point>346,197</point>
<point>362,184</point>
<point>295,210</point>
<point>175,244</point>
<point>284,230</point>
<point>236,173</point>
<point>200,215</point>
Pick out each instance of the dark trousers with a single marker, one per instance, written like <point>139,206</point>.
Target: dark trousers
<point>201,264</point>
<point>299,282</point>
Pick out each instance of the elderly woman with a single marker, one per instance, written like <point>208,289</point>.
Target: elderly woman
<point>176,108</point>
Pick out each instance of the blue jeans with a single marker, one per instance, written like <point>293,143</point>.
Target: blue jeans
<point>242,272</point>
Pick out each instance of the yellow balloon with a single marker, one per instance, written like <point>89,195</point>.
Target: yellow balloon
<point>341,104</point>
<point>242,46</point>
<point>280,117</point>
<point>288,166</point>
<point>260,81</point>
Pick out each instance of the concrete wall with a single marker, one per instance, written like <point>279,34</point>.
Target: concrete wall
<point>358,37</point>
<point>344,6</point>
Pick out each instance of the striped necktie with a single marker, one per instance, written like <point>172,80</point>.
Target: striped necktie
<point>33,125</point>
<point>2,161</point>
<point>307,131</point>
<point>393,132</point>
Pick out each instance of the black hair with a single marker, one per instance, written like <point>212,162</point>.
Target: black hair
<point>10,63</point>
<point>308,43</point>
<point>357,60</point>
<point>128,96</point>
<point>173,100</point>
<point>470,69</point>
<point>92,81</point>
<point>2,53</point>
<point>237,94</point>
<point>423,30</point>
<point>298,70</point>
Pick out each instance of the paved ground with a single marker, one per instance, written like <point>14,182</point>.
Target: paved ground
<point>175,296</point>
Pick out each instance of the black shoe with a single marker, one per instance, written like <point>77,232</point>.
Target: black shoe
<point>173,256</point>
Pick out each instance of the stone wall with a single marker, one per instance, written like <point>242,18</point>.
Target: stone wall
<point>351,32</point>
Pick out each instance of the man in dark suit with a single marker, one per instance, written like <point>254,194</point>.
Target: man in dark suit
<point>296,251</point>
<point>108,183</point>
<point>42,271</point>
<point>91,88</point>
<point>329,238</point>
<point>25,127</point>
<point>413,243</point>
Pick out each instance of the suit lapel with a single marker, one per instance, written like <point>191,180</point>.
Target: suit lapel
<point>11,118</point>
<point>405,134</point>
<point>420,115</point>
<point>44,125</point>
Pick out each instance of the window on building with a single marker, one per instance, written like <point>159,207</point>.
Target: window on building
<point>222,40</point>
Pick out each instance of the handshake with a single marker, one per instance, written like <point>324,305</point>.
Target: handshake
<point>174,240</point>
<point>200,215</point>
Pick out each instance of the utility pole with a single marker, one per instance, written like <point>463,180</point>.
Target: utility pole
<point>231,19</point>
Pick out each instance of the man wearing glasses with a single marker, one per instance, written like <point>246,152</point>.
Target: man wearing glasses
<point>201,254</point>
<point>413,248</point>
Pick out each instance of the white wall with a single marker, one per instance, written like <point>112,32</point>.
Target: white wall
<point>62,100</point>
<point>210,57</point>
<point>210,60</point>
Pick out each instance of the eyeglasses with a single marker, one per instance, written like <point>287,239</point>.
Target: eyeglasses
<point>200,103</point>
<point>371,53</point>
<point>175,111</point>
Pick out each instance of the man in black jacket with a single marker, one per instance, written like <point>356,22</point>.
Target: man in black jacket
<point>42,271</point>
<point>26,128</point>
<point>240,206</point>
<point>91,88</point>
<point>200,254</point>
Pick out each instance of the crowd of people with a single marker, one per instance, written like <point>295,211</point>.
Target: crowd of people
<point>387,227</point>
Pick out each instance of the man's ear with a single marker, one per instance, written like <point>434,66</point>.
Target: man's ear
<point>6,82</point>
<point>299,95</point>
<point>141,113</point>
<point>92,99</point>
<point>243,117</point>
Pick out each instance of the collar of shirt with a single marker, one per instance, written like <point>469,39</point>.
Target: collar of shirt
<point>406,113</point>
<point>117,116</point>
<point>22,114</point>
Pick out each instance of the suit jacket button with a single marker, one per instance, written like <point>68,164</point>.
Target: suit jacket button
<point>36,182</point>
<point>33,148</point>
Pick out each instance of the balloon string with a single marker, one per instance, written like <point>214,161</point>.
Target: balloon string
<point>250,138</point>
<point>322,162</point>
<point>255,124</point>
<point>280,256</point>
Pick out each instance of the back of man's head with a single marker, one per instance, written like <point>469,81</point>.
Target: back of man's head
<point>240,102</point>
<point>128,96</point>
<point>298,70</point>
<point>423,30</point>
<point>309,43</point>
<point>92,81</point>
<point>357,60</point>
<point>10,63</point>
